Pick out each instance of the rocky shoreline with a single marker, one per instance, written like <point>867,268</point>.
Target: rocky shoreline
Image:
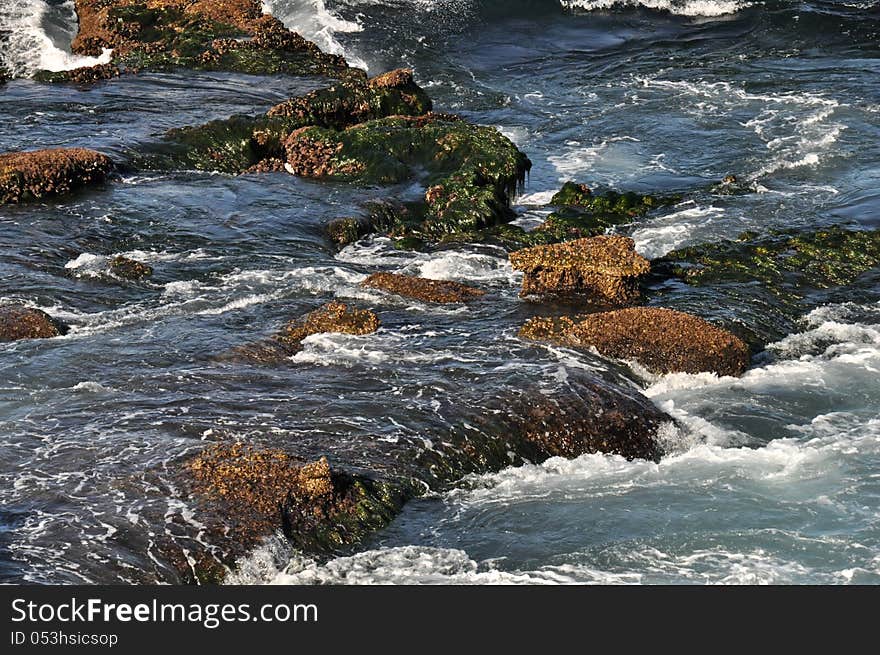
<point>382,131</point>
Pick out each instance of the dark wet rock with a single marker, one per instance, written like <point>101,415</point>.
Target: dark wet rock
<point>332,317</point>
<point>244,493</point>
<point>435,291</point>
<point>229,35</point>
<point>604,268</point>
<point>130,269</point>
<point>45,173</point>
<point>251,493</point>
<point>83,75</point>
<point>730,186</point>
<point>19,322</point>
<point>662,340</point>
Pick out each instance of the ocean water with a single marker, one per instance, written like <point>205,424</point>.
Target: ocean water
<point>770,478</point>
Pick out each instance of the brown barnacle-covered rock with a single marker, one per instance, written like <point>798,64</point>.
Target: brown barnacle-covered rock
<point>248,493</point>
<point>603,268</point>
<point>130,269</point>
<point>661,340</point>
<point>45,173</point>
<point>333,317</point>
<point>20,322</point>
<point>82,75</point>
<point>419,288</point>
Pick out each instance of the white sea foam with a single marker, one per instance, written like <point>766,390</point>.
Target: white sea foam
<point>313,20</point>
<point>707,8</point>
<point>28,47</point>
<point>667,233</point>
<point>458,265</point>
<point>797,129</point>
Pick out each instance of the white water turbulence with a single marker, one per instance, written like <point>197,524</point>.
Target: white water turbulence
<point>36,35</point>
<point>708,8</point>
<point>313,20</point>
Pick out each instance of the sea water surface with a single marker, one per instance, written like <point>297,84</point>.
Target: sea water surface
<point>772,478</point>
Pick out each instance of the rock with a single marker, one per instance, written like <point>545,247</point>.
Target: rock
<point>82,75</point>
<point>354,101</point>
<point>436,291</point>
<point>19,322</point>
<point>604,268</point>
<point>44,173</point>
<point>598,417</point>
<point>260,491</point>
<point>130,269</point>
<point>662,340</point>
<point>472,171</point>
<point>782,260</point>
<point>229,35</point>
<point>332,317</point>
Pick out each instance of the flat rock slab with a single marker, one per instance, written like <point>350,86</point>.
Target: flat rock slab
<point>662,340</point>
<point>435,291</point>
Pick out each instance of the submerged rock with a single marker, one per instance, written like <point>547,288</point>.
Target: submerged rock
<point>661,340</point>
<point>781,260</point>
<point>332,317</point>
<point>599,418</point>
<point>229,35</point>
<point>130,269</point>
<point>44,173</point>
<point>603,268</point>
<point>436,291</point>
<point>255,492</point>
<point>19,322</point>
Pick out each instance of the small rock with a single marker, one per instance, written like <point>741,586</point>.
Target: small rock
<point>436,291</point>
<point>19,322</point>
<point>130,269</point>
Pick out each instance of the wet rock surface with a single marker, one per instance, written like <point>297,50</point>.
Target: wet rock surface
<point>18,322</point>
<point>435,291</point>
<point>39,174</point>
<point>130,269</point>
<point>332,317</point>
<point>605,268</point>
<point>662,340</point>
<point>227,35</point>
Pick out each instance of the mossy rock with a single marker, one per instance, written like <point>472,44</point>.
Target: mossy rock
<point>470,171</point>
<point>833,256</point>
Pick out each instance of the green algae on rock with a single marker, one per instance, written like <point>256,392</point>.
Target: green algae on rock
<point>41,174</point>
<point>19,322</point>
<point>604,268</point>
<point>661,340</point>
<point>781,260</point>
<point>470,171</point>
<point>227,35</point>
<point>242,144</point>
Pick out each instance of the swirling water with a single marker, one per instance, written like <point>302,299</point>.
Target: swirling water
<point>774,476</point>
